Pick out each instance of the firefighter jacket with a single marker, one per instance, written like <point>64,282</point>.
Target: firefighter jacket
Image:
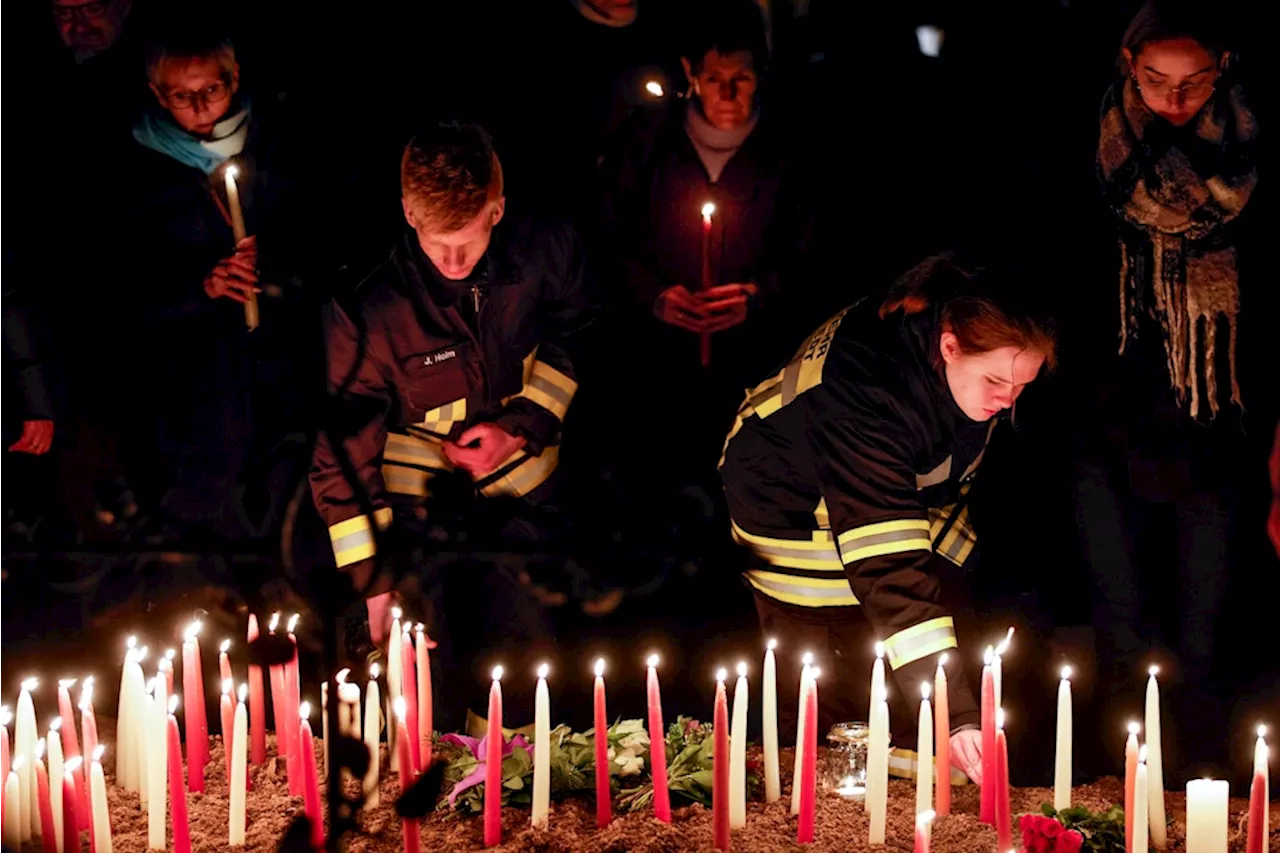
<point>414,360</point>
<point>847,475</point>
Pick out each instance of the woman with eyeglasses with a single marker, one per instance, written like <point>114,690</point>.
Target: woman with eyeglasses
<point>1170,458</point>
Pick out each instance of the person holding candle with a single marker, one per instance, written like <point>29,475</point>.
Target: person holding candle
<point>450,376</point>
<point>848,473</point>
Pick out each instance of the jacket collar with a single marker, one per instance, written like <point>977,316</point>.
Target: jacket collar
<point>496,268</point>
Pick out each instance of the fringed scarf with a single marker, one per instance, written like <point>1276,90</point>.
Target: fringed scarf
<point>1178,187</point>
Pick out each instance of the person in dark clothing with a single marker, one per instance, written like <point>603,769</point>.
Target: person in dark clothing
<point>848,474</point>
<point>1165,468</point>
<point>28,423</point>
<point>449,380</point>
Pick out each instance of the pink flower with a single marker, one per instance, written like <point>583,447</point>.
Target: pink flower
<point>1069,842</point>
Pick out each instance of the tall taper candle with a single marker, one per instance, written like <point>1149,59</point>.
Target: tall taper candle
<point>720,794</point>
<point>257,704</point>
<point>1130,782</point>
<point>157,766</point>
<point>409,687</point>
<point>772,783</point>
<point>177,793</point>
<point>44,803</point>
<point>924,832</point>
<point>541,751</point>
<point>101,812</point>
<point>604,804</point>
<point>310,776</point>
<point>426,714</point>
<point>878,770</point>
<point>372,736</point>
<point>657,745</point>
<point>70,742</point>
<point>1004,817</point>
<point>24,744</point>
<point>70,833</point>
<point>14,817</point>
<point>1140,803</point>
<point>1062,758</point>
<point>409,825</point>
<point>801,732</point>
<point>924,754</point>
<point>56,764</point>
<point>239,770</point>
<point>809,768</point>
<point>942,738</point>
<point>1155,764</point>
<point>493,765</point>
<point>987,803</point>
<point>239,233</point>
<point>1259,796</point>
<point>738,753</point>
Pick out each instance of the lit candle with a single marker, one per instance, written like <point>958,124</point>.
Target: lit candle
<point>70,742</point>
<point>604,805</point>
<point>1259,796</point>
<point>89,739</point>
<point>395,676</point>
<point>14,817</point>
<point>24,746</point>
<point>98,794</point>
<point>998,667</point>
<point>279,701</point>
<point>409,826</point>
<point>924,754</point>
<point>226,719</point>
<point>193,707</point>
<point>311,776</point>
<point>809,769</point>
<point>166,669</point>
<point>224,662</point>
<point>324,724</point>
<point>738,753</point>
<point>1004,818</point>
<point>493,764</point>
<point>878,769</point>
<point>772,783</point>
<point>372,736</point>
<point>658,746</point>
<point>1140,803</point>
<point>257,703</point>
<point>801,732</point>
<point>409,685</point>
<point>1207,815</point>
<point>942,735</point>
<point>426,714</point>
<point>294,756</point>
<point>177,793</point>
<point>156,749</point>
<point>239,770</point>
<point>541,750</point>
<point>1062,759</point>
<point>5,719</point>
<point>1155,766</point>
<point>1130,781</point>
<point>44,804</point>
<point>126,773</point>
<point>138,737</point>
<point>708,210</point>
<point>987,805</point>
<point>924,832</point>
<point>56,764</point>
<point>239,232</point>
<point>720,793</point>
<point>70,833</point>
<point>653,87</point>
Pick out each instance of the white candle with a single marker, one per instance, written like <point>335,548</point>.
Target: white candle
<point>101,812</point>
<point>738,753</point>
<point>1155,766</point>
<point>1207,815</point>
<point>772,784</point>
<point>542,750</point>
<point>54,741</point>
<point>1062,759</point>
<point>800,733</point>
<point>349,696</point>
<point>124,722</point>
<point>395,675</point>
<point>138,738</point>
<point>924,753</point>
<point>324,724</point>
<point>14,818</point>
<point>157,749</point>
<point>997,667</point>
<point>877,690</point>
<point>239,769</point>
<point>877,795</point>
<point>24,746</point>
<point>1140,803</point>
<point>372,735</point>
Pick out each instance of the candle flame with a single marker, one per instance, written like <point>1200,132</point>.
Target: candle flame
<point>6,717</point>
<point>1004,644</point>
<point>543,671</point>
<point>173,703</point>
<point>653,660</point>
<point>708,209</point>
<point>926,817</point>
<point>244,691</point>
<point>68,683</point>
<point>17,764</point>
<point>721,674</point>
<point>304,710</point>
<point>600,668</point>
<point>742,669</point>
<point>1262,730</point>
<point>71,765</point>
<point>30,684</point>
<point>224,646</point>
<point>879,649</point>
<point>86,694</point>
<point>807,658</point>
<point>396,613</point>
<point>170,654</point>
<point>988,656</point>
<point>1134,728</point>
<point>40,749</point>
<point>999,718</point>
<point>421,627</point>
<point>374,669</point>
<point>653,87</point>
<point>192,631</point>
<point>771,645</point>
<point>275,621</point>
<point>293,623</point>
<point>1142,754</point>
<point>1153,670</point>
<point>925,689</point>
<point>131,642</point>
<point>232,171</point>
<point>227,686</point>
<point>400,708</point>
<point>1066,673</point>
<point>497,673</point>
<point>55,724</point>
<point>99,751</point>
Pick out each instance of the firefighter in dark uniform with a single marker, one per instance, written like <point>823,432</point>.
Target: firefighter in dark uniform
<point>447,362</point>
<point>847,475</point>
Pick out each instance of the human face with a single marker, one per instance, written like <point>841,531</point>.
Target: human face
<point>725,87</point>
<point>1174,77</point>
<point>196,92</point>
<point>456,253</point>
<point>985,384</point>
<point>89,26</point>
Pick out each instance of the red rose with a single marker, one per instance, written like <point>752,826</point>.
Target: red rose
<point>1050,829</point>
<point>1039,844</point>
<point>1069,842</point>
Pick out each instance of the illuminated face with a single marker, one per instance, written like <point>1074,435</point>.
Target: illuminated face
<point>456,253</point>
<point>1175,77</point>
<point>89,26</point>
<point>985,384</point>
<point>196,92</point>
<point>725,87</point>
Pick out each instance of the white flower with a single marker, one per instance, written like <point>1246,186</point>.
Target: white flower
<point>635,739</point>
<point>630,763</point>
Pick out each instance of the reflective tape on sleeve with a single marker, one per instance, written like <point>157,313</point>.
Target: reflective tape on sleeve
<point>884,537</point>
<point>353,538</point>
<point>920,640</point>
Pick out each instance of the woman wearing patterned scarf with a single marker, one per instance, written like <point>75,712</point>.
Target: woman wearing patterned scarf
<point>1176,162</point>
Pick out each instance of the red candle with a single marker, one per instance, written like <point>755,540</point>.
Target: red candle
<point>48,838</point>
<point>224,662</point>
<point>1004,820</point>
<point>1130,782</point>
<point>658,747</point>
<point>227,715</point>
<point>942,738</point>
<point>70,743</point>
<point>809,768</point>
<point>409,684</point>
<point>409,826</point>
<point>924,832</point>
<point>987,808</point>
<point>193,702</point>
<point>177,794</point>
<point>257,707</point>
<point>707,210</point>
<point>70,821</point>
<point>89,738</point>
<point>493,765</point>
<point>604,802</point>
<point>290,713</point>
<point>720,766</point>
<point>426,720</point>
<point>311,795</point>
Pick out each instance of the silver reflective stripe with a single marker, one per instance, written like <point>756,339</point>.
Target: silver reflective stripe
<point>907,648</point>
<point>940,474</point>
<point>352,540</point>
<point>826,555</point>
<point>797,589</point>
<point>550,389</point>
<point>881,538</point>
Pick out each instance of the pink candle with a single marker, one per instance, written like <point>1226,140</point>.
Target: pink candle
<point>942,738</point>
<point>193,703</point>
<point>707,210</point>
<point>70,821</point>
<point>924,832</point>
<point>1130,782</point>
<point>89,739</point>
<point>177,794</point>
<point>720,766</point>
<point>257,705</point>
<point>1004,820</point>
<point>409,684</point>
<point>409,826</point>
<point>604,802</point>
<point>658,747</point>
<point>311,794</point>
<point>224,662</point>
<point>70,743</point>
<point>290,713</point>
<point>166,669</point>
<point>48,838</point>
<point>426,720</point>
<point>809,768</point>
<point>987,808</point>
<point>493,765</point>
<point>227,715</point>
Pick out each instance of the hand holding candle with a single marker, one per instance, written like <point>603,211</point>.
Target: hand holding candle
<point>238,231</point>
<point>708,210</point>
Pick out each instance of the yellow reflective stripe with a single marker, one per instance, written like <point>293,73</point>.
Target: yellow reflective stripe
<point>805,592</point>
<point>547,373</point>
<point>546,386</point>
<point>817,553</point>
<point>403,480</point>
<point>960,540</point>
<point>920,641</point>
<point>884,537</point>
<point>534,394</point>
<point>520,474</point>
<point>353,538</point>
<point>856,534</point>
<point>411,450</point>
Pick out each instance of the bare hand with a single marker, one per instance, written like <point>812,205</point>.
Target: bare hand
<point>379,607</point>
<point>678,307</point>
<point>481,449</point>
<point>235,276</point>
<point>725,306</point>
<point>966,753</point>
<point>37,438</point>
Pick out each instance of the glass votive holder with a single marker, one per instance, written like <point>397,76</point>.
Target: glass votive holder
<point>843,768</point>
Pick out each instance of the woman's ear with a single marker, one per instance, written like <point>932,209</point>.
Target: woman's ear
<point>950,347</point>
<point>1128,59</point>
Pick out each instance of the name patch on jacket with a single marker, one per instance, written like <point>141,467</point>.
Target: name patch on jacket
<point>440,356</point>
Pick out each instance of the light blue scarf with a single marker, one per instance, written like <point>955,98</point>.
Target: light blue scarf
<point>159,132</point>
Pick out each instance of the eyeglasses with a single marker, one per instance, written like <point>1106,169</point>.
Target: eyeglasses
<point>1185,91</point>
<point>187,100</point>
<point>87,11</point>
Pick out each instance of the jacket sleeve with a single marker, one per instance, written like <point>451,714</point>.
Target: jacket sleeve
<point>882,533</point>
<point>23,359</point>
<point>346,475</point>
<point>537,412</point>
